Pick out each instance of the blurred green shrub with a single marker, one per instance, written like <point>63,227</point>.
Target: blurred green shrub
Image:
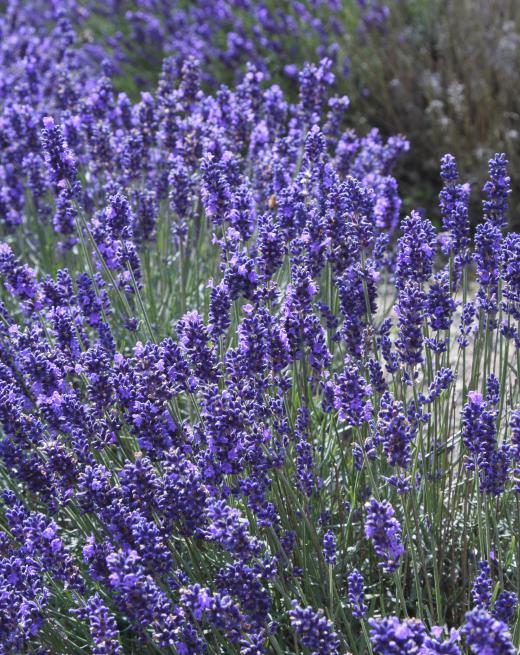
<point>447,74</point>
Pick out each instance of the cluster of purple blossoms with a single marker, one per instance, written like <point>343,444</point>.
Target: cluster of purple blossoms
<point>484,634</point>
<point>356,594</point>
<point>488,244</point>
<point>229,529</point>
<point>329,548</point>
<point>505,606</point>
<point>467,324</point>
<point>510,261</point>
<point>103,628</point>
<point>314,630</point>
<point>352,395</point>
<point>482,589</point>
<point>515,446</point>
<point>389,636</point>
<point>416,250</point>
<point>505,603</point>
<point>479,435</point>
<point>395,431</point>
<point>410,310</point>
<point>24,598</point>
<point>497,188</point>
<point>454,201</point>
<point>384,530</point>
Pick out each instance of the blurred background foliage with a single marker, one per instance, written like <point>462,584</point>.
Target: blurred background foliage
<point>446,73</point>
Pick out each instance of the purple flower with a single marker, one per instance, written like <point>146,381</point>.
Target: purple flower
<point>488,240</point>
<point>384,530</point>
<point>306,478</point>
<point>19,279</point>
<point>91,304</point>
<point>271,245</point>
<point>356,594</point>
<point>119,218</point>
<point>493,390</point>
<point>23,600</point>
<point>376,376</point>
<point>454,201</point>
<point>357,295</point>
<point>242,214</point>
<point>515,445</point>
<point>228,529</point>
<point>329,548</point>
<point>467,319</point>
<point>410,312</point>
<point>479,435</point>
<point>253,644</point>
<point>60,160</point>
<point>216,194</point>
<point>439,305</point>
<point>510,260</point>
<point>219,311</point>
<point>434,646</point>
<point>389,355</point>
<point>246,583</point>
<point>147,605</point>
<point>497,188</point>
<point>40,538</point>
<point>389,636</point>
<point>253,341</point>
<point>314,81</point>
<point>352,395</point>
<point>181,493</point>
<point>195,343</point>
<point>240,276</point>
<point>394,431</point>
<point>388,203</point>
<point>103,627</point>
<point>482,588</point>
<point>505,605</point>
<point>314,630</point>
<point>314,146</point>
<point>219,610</point>
<point>64,219</point>
<point>416,250</point>
<point>180,189</point>
<point>444,377</point>
<point>353,230</point>
<point>486,635</point>
<point>494,470</point>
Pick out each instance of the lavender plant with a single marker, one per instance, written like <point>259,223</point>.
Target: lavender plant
<point>244,407</point>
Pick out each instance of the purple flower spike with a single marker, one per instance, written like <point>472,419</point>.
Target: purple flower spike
<point>384,530</point>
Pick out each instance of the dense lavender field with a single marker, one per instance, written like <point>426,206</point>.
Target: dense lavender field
<point>251,401</point>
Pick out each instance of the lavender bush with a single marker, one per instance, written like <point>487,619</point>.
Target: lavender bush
<point>246,405</point>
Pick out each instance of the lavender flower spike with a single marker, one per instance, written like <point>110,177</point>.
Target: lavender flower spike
<point>384,530</point>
